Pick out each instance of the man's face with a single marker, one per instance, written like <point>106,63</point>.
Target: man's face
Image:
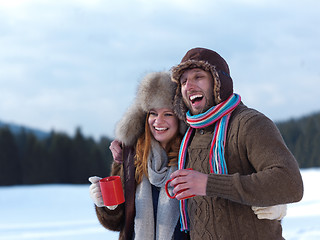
<point>197,90</point>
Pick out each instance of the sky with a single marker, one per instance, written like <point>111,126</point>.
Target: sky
<point>77,63</point>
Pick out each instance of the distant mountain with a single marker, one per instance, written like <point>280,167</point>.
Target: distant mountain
<point>16,129</point>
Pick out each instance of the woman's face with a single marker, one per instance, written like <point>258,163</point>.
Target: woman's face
<point>163,125</point>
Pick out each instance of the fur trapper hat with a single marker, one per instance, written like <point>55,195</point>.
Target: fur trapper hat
<point>209,61</point>
<point>156,90</point>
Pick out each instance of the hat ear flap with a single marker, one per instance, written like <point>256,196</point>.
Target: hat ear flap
<point>131,126</point>
<point>182,127</point>
<point>226,85</point>
<point>180,109</point>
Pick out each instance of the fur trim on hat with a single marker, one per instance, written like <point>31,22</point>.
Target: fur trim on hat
<point>131,125</point>
<point>156,90</point>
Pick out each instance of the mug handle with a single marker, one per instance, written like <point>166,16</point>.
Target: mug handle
<point>167,191</point>
<point>172,197</point>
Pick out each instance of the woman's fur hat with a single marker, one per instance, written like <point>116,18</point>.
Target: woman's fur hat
<point>156,90</point>
<point>209,61</point>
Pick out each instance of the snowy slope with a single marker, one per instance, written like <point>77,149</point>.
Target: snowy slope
<point>303,218</point>
<point>65,212</point>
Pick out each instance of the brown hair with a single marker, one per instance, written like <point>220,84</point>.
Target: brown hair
<point>143,147</point>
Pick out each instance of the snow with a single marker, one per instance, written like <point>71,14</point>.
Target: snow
<point>49,212</point>
<point>303,218</point>
<point>66,212</point>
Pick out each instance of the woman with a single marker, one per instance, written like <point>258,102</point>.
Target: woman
<point>150,134</point>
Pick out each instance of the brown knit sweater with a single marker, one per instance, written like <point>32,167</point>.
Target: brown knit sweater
<point>261,172</point>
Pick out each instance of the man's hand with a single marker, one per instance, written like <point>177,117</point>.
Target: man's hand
<point>190,181</point>
<point>116,150</point>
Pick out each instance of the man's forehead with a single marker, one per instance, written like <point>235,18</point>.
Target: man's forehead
<point>192,71</point>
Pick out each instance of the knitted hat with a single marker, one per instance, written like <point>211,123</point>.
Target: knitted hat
<point>209,61</point>
<point>156,90</point>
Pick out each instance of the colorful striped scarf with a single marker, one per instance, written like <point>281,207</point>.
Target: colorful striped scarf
<point>219,114</point>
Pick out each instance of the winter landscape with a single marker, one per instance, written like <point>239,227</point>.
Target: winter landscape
<point>65,212</point>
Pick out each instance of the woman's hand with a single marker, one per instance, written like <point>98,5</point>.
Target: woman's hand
<point>95,191</point>
<point>276,212</point>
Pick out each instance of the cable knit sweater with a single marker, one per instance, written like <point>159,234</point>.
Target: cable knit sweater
<point>261,172</point>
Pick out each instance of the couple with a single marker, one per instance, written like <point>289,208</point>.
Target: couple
<point>243,173</point>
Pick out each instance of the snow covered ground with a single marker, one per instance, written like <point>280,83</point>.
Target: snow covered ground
<point>65,212</point>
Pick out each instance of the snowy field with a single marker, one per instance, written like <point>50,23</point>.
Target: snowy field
<point>65,212</point>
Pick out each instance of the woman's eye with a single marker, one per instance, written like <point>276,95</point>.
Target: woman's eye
<point>153,113</point>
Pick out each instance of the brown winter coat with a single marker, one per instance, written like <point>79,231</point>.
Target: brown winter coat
<point>261,172</point>
<point>122,218</point>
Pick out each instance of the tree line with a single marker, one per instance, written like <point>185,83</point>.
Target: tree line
<point>59,158</point>
<point>302,137</point>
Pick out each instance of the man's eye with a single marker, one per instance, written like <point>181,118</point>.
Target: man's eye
<point>153,113</point>
<point>183,81</point>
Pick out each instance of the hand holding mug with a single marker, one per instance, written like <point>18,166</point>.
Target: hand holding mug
<point>180,191</point>
<point>188,183</point>
<point>111,190</point>
<point>95,191</point>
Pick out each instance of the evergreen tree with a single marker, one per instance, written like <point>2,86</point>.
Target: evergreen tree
<point>302,138</point>
<point>59,147</point>
<point>33,161</point>
<point>10,170</point>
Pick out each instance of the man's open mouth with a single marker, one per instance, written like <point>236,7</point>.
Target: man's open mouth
<point>196,98</point>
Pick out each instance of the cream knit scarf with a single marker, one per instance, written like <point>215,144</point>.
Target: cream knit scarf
<point>168,209</point>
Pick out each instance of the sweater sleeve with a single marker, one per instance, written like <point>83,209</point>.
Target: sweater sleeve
<point>112,219</point>
<point>276,178</point>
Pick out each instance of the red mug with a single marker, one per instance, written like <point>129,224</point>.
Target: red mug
<point>111,189</point>
<point>172,197</point>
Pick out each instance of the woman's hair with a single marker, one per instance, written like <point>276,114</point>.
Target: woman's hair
<point>143,147</point>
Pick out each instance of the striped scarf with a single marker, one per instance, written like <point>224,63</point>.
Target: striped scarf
<point>219,114</point>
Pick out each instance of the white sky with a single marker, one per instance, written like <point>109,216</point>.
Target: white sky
<point>74,63</point>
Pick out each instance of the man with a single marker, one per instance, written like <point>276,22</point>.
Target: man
<point>237,154</point>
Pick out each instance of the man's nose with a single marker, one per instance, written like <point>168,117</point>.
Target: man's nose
<point>189,84</point>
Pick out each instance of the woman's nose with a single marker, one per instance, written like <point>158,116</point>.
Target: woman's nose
<point>159,119</point>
